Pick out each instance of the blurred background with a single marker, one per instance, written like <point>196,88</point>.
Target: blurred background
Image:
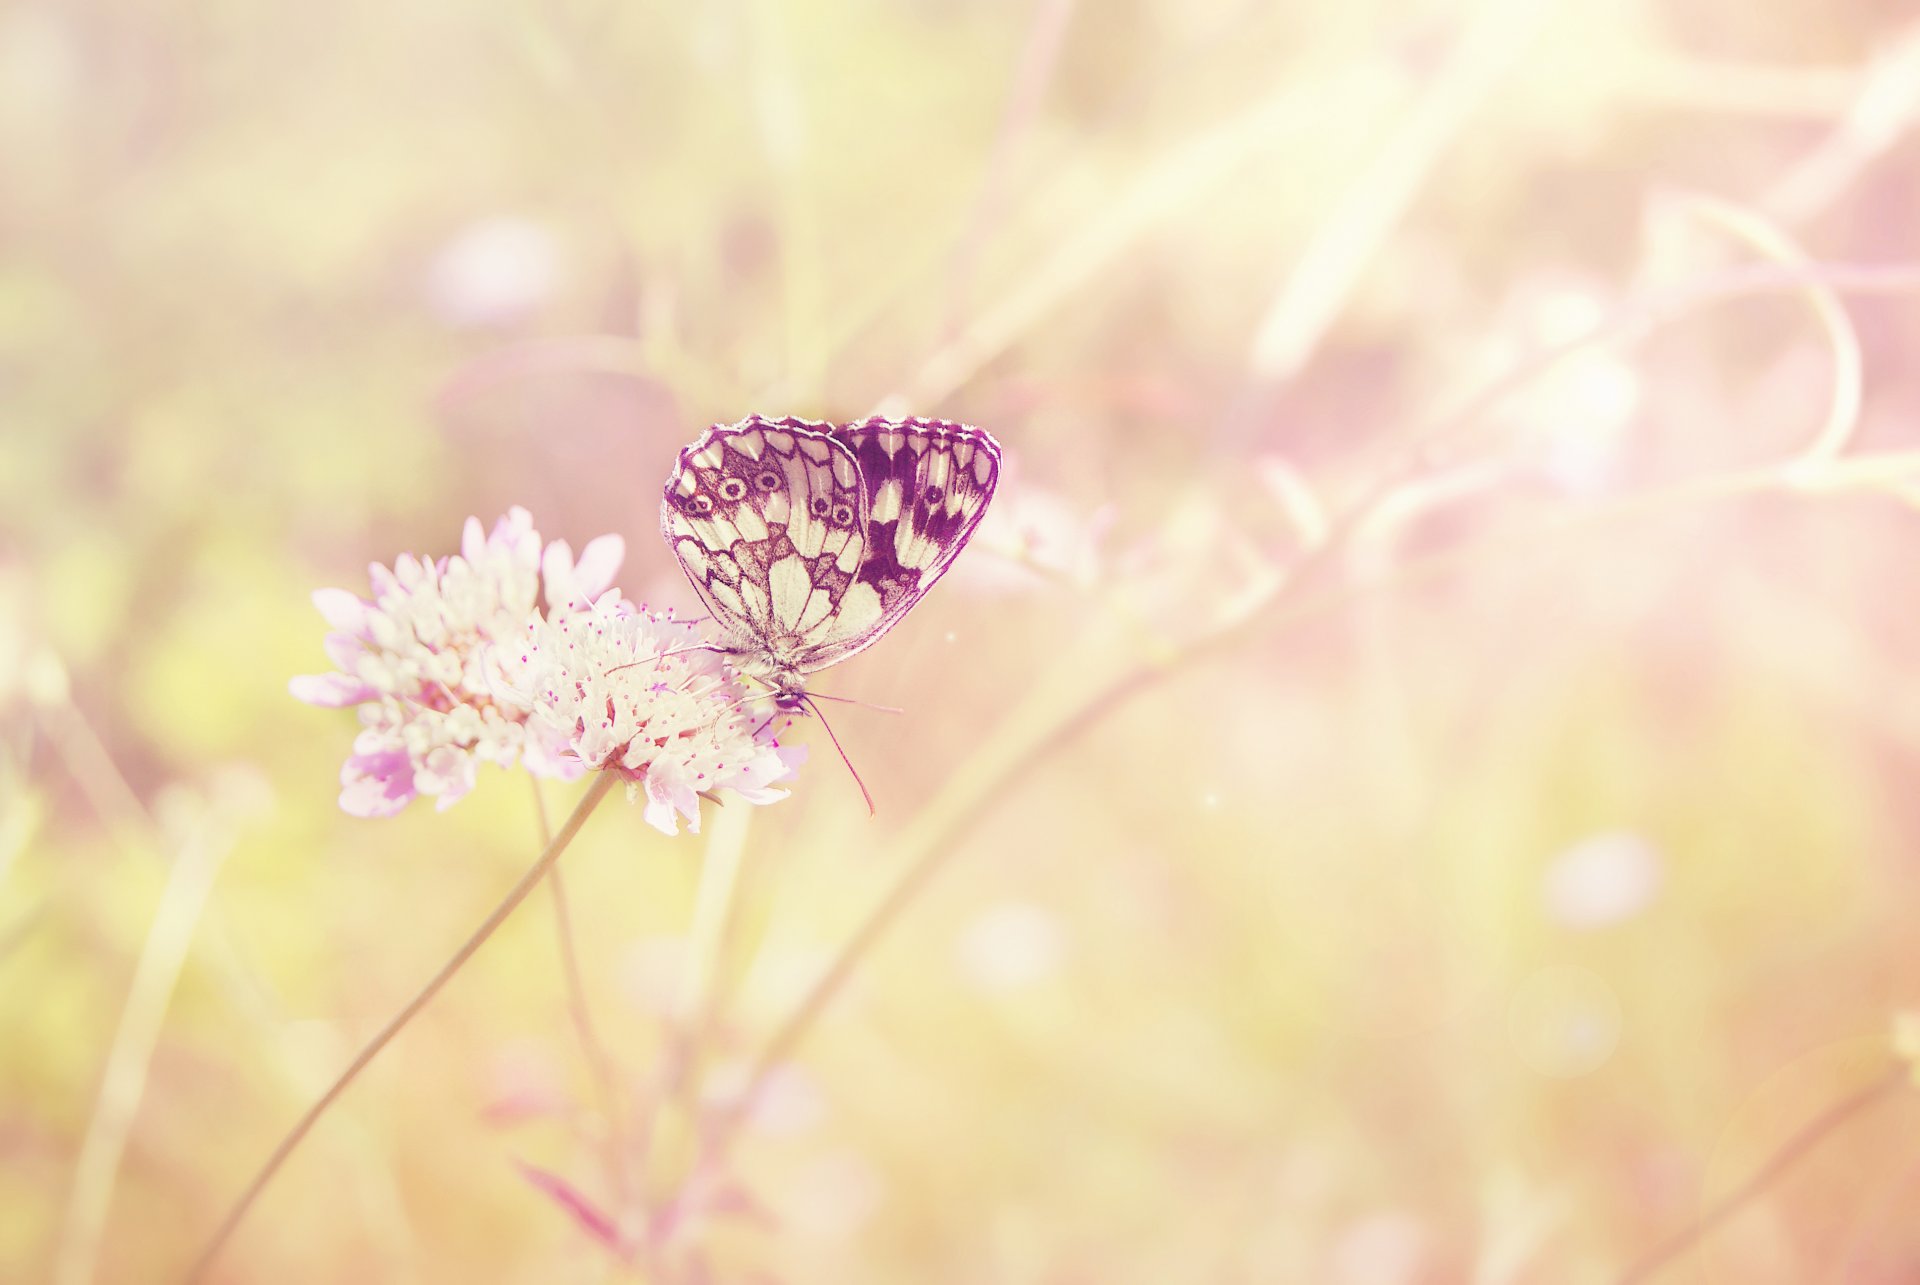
<point>1418,761</point>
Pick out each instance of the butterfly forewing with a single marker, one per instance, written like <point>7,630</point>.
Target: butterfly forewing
<point>808,541</point>
<point>765,516</point>
<point>926,483</point>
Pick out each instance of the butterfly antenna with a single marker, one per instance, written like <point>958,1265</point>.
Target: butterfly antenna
<point>848,700</point>
<point>819,713</point>
<point>677,651</point>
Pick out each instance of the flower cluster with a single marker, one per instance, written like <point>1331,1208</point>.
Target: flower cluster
<point>644,697</point>
<point>501,653</point>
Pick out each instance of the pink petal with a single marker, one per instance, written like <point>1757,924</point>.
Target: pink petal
<point>330,691</point>
<point>473,540</point>
<point>515,532</point>
<point>599,563</point>
<point>556,574</point>
<point>659,815</point>
<point>664,799</point>
<point>377,782</point>
<point>344,650</point>
<point>341,610</point>
<point>585,1214</point>
<point>369,798</point>
<point>554,761</point>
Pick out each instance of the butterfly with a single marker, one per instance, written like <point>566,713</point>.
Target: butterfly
<point>808,541</point>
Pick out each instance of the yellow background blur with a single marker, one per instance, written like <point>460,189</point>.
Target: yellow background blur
<point>1407,810</point>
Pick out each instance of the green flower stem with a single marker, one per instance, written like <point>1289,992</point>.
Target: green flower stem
<point>602,783</point>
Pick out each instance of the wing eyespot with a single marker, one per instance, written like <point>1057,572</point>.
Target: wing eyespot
<point>701,503</point>
<point>820,506</point>
<point>768,480</point>
<point>933,494</point>
<point>842,514</point>
<point>733,490</point>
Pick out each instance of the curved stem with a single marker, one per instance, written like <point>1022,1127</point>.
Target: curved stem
<point>602,782</point>
<point>1796,1149</point>
<point>1636,317</point>
<point>1312,588</point>
<point>1314,585</point>
<point>129,1060</point>
<point>599,1064</point>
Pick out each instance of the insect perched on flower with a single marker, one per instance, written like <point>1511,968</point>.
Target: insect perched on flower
<point>807,541</point>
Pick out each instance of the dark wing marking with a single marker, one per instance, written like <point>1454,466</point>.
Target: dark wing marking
<point>927,484</point>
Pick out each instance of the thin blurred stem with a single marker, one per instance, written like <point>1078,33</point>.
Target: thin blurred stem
<point>123,1083</point>
<point>1045,34</point>
<point>114,800</point>
<point>714,911</point>
<point>1045,182</point>
<point>87,759</point>
<point>1796,1149</point>
<point>599,1064</point>
<point>1318,283</point>
<point>21,930</point>
<point>1635,318</point>
<point>1024,744</point>
<point>1852,1262</point>
<point>1772,242</point>
<point>1311,589</point>
<point>1680,83</point>
<point>602,783</point>
<point>1879,118</point>
<point>715,914</point>
<point>787,1037</point>
<point>1185,176</point>
<point>92,767</point>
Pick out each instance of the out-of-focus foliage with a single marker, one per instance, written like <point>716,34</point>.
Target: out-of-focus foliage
<point>1488,899</point>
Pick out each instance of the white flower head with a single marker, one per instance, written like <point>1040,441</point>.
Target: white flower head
<point>417,660</point>
<point>616,689</point>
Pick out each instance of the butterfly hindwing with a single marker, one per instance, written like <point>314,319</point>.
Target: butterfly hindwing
<point>926,484</point>
<point>767,519</point>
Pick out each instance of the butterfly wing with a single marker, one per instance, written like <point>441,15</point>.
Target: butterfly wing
<point>926,484</point>
<point>768,521</point>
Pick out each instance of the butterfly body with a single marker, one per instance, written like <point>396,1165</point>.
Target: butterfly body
<point>808,541</point>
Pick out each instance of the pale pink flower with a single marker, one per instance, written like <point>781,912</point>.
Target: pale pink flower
<point>1602,880</point>
<point>417,660</point>
<point>1011,946</point>
<point>1574,418</point>
<point>618,689</point>
<point>494,272</point>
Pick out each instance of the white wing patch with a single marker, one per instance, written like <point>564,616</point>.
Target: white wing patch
<point>886,501</point>
<point>790,586</point>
